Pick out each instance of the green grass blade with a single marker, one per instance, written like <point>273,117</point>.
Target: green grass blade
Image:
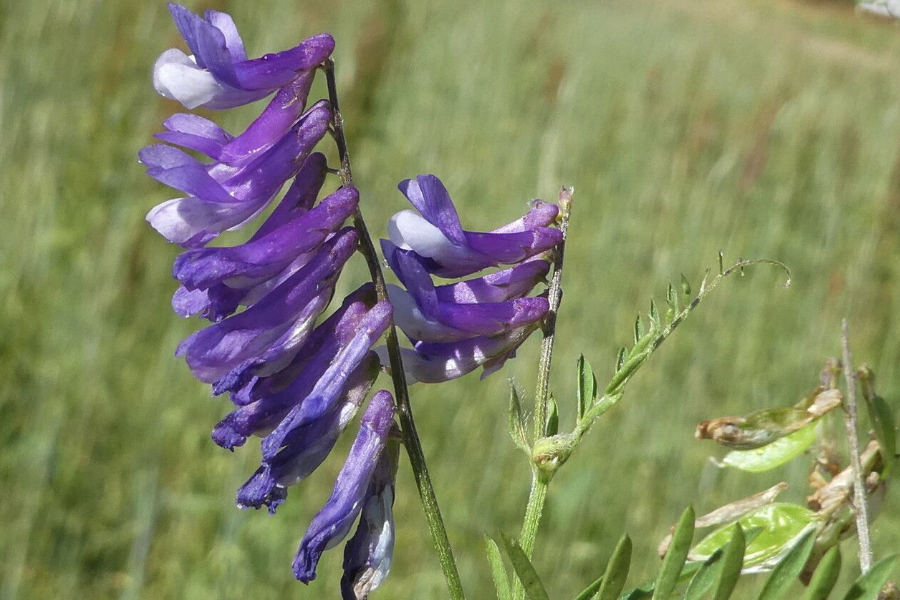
<point>788,568</point>
<point>676,556</point>
<point>825,577</point>
<point>732,563</point>
<point>616,570</point>
<point>868,586</point>
<point>534,589</point>
<point>498,571</point>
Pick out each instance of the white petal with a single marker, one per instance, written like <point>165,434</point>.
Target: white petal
<point>180,219</point>
<point>410,231</point>
<point>177,76</point>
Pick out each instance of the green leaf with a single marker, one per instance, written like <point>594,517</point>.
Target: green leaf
<point>826,576</point>
<point>884,424</point>
<point>676,556</point>
<point>616,570</point>
<point>779,525</point>
<point>498,571</point>
<point>773,455</point>
<point>517,421</point>
<point>672,301</point>
<point>590,591</point>
<point>587,386</point>
<point>620,359</point>
<point>685,291</point>
<point>703,580</point>
<point>552,417</point>
<point>788,568</point>
<point>732,564</point>
<point>534,589</point>
<point>869,585</point>
<point>721,263</point>
<point>654,318</point>
<point>638,330</point>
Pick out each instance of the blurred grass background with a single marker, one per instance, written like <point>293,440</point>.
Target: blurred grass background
<point>762,128</point>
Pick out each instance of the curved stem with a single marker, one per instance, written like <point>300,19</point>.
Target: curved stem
<point>539,484</point>
<point>407,424</point>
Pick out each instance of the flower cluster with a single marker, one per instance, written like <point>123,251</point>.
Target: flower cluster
<point>472,323</point>
<point>295,377</point>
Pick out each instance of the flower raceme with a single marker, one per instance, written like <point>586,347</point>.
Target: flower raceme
<point>296,376</point>
<point>296,372</point>
<point>472,323</point>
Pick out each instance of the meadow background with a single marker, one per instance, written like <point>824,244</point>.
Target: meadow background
<point>762,128</point>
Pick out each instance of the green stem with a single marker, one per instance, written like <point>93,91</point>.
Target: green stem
<point>539,484</point>
<point>407,425</point>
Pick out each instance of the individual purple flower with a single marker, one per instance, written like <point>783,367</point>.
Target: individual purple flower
<point>308,446</point>
<point>308,387</point>
<point>368,554</point>
<point>435,362</point>
<point>222,298</point>
<point>219,196</point>
<point>275,327</point>
<point>332,523</point>
<point>218,74</point>
<point>474,323</point>
<point>436,234</point>
<point>202,135</point>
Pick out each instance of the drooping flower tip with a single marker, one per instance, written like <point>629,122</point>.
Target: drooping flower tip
<point>218,74</point>
<point>332,523</point>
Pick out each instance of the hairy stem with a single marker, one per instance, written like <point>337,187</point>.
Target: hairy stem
<point>859,484</point>
<point>539,484</point>
<point>407,424</point>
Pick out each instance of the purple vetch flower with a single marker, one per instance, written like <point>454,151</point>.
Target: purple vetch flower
<point>368,554</point>
<point>434,362</point>
<point>308,446</point>
<point>222,298</point>
<point>223,197</point>
<point>275,327</point>
<point>296,375</point>
<point>218,74</point>
<point>436,234</point>
<point>334,520</point>
<point>424,316</point>
<point>474,323</point>
<point>306,388</point>
<point>202,135</point>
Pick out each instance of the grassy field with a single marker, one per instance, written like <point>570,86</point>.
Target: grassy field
<point>762,128</point>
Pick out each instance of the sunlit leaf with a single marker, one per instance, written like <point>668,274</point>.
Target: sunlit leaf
<point>869,585</point>
<point>825,577</point>
<point>616,570</point>
<point>638,329</point>
<point>621,357</point>
<point>785,573</point>
<point>534,589</point>
<point>773,455</point>
<point>676,556</point>
<point>779,525</point>
<point>498,571</point>
<point>732,563</point>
